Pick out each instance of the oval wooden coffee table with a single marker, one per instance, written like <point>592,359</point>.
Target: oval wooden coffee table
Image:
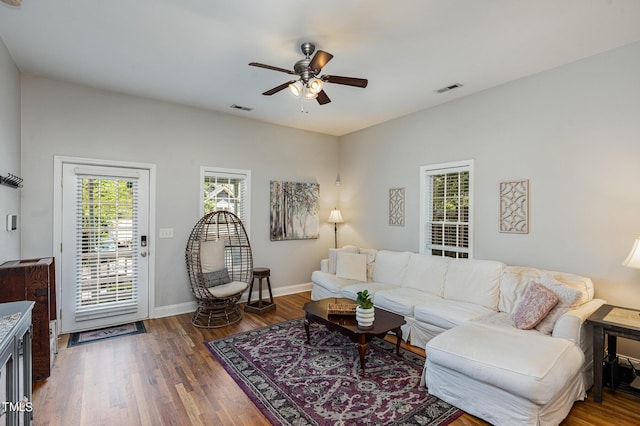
<point>385,321</point>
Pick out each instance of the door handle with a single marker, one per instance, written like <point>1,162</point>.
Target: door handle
<point>143,254</point>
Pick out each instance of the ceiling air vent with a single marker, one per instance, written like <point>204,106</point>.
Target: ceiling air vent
<point>447,88</point>
<point>243,108</point>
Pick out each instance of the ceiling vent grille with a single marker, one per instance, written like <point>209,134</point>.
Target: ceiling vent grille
<point>240,107</point>
<point>448,88</point>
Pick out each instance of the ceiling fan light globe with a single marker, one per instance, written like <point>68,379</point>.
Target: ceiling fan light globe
<point>315,85</point>
<point>310,95</point>
<point>295,88</point>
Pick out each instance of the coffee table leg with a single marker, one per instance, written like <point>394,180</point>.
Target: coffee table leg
<point>362,347</point>
<point>398,332</point>
<point>306,327</point>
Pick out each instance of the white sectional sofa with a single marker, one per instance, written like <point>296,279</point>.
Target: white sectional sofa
<point>461,311</point>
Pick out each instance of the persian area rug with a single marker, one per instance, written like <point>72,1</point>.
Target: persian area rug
<point>294,383</point>
<point>106,333</point>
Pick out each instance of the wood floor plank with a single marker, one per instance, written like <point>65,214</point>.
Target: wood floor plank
<point>168,377</point>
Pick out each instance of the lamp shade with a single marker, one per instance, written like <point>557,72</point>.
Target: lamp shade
<point>335,216</point>
<point>633,260</point>
<point>295,88</point>
<point>315,85</point>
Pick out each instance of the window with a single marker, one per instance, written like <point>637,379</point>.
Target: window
<point>226,189</point>
<point>446,193</point>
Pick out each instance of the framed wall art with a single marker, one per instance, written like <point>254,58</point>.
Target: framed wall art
<point>294,211</point>
<point>514,206</point>
<point>396,206</point>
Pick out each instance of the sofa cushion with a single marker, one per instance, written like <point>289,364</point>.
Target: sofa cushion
<point>351,291</point>
<point>533,366</point>
<point>371,260</point>
<point>390,266</point>
<point>330,282</point>
<point>352,266</point>
<point>333,256</point>
<point>449,313</point>
<point>474,281</point>
<point>426,273</point>
<point>535,305</point>
<point>516,279</point>
<point>401,300</point>
<point>568,298</point>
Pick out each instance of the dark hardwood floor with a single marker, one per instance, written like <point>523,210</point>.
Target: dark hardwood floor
<point>168,377</point>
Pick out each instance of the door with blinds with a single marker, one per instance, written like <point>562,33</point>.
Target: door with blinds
<point>105,263</point>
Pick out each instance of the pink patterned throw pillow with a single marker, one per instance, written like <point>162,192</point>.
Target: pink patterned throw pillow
<point>535,305</point>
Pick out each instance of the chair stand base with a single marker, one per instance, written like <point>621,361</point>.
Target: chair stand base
<point>216,316</point>
<point>259,307</point>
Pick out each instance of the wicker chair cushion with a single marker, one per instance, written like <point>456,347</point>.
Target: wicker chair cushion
<point>212,255</point>
<point>229,289</point>
<point>216,278</point>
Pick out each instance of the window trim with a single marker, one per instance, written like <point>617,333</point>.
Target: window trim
<point>230,173</point>
<point>456,166</point>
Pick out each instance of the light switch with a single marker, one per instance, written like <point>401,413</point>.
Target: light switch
<point>165,233</point>
<point>12,222</point>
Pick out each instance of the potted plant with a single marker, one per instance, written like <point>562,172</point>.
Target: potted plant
<point>365,312</point>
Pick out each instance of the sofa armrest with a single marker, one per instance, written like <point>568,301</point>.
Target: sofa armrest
<point>324,265</point>
<point>569,325</point>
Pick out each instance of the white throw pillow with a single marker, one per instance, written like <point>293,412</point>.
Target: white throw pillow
<point>352,266</point>
<point>212,255</point>
<point>333,256</point>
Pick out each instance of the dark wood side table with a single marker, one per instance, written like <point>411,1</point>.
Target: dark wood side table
<point>260,306</point>
<point>615,322</point>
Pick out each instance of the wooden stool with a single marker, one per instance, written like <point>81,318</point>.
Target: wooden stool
<point>260,306</point>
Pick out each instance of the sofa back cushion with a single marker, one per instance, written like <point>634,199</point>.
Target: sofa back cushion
<point>426,273</point>
<point>390,266</point>
<point>352,266</point>
<point>333,256</point>
<point>474,281</point>
<point>371,260</point>
<point>516,279</point>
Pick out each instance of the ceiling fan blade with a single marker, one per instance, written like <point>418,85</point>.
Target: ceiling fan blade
<point>347,81</point>
<point>322,98</point>
<point>270,67</point>
<point>320,59</point>
<point>278,88</point>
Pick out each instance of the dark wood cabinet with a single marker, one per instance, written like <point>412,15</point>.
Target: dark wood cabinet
<point>34,280</point>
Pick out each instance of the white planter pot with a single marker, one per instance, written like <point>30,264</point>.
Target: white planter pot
<point>365,317</point>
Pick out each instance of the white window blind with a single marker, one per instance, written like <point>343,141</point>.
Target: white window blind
<point>225,189</point>
<point>106,246</point>
<point>446,194</point>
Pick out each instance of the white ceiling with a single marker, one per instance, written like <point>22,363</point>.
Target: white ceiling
<point>195,52</point>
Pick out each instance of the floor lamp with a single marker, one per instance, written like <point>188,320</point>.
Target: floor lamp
<point>335,217</point>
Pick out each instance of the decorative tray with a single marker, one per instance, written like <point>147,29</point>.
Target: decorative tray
<point>342,309</point>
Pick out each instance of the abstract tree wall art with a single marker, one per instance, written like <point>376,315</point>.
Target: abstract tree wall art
<point>294,211</point>
<point>514,206</point>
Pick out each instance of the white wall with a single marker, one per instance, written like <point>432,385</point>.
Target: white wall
<point>70,120</point>
<point>9,152</point>
<point>574,132</point>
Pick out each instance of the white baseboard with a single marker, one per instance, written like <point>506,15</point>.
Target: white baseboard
<point>170,310</point>
<point>187,307</point>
